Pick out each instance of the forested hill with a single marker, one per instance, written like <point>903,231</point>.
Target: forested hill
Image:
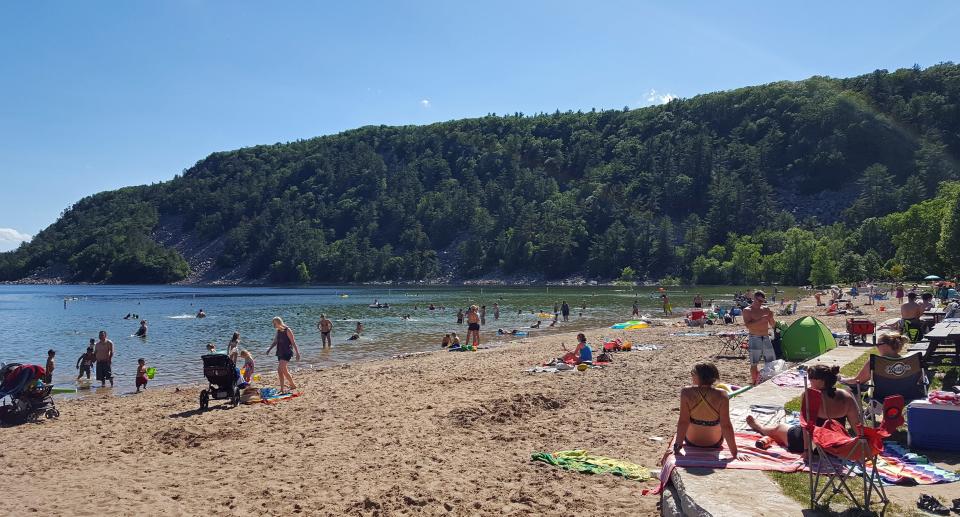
<point>775,182</point>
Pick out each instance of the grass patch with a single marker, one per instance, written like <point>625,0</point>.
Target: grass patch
<point>848,370</point>
<point>796,485</point>
<point>945,376</point>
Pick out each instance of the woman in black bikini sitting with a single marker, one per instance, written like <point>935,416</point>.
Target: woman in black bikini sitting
<point>837,404</point>
<point>704,412</point>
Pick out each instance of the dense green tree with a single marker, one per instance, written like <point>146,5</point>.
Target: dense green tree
<point>823,268</point>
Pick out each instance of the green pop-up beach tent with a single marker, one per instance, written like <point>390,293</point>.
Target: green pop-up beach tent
<point>806,338</point>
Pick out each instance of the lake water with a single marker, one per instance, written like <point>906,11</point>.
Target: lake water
<point>34,319</point>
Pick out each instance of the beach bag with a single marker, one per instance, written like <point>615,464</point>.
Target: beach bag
<point>605,358</point>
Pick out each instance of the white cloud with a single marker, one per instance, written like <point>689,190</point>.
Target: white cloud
<point>655,97</point>
<point>10,238</point>
<point>425,103</point>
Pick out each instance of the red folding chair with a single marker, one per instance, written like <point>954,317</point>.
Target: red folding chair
<point>840,456</point>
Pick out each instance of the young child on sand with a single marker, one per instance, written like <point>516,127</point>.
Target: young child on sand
<point>446,341</point>
<point>454,340</point>
<point>141,374</point>
<point>48,377</point>
<point>86,360</point>
<point>247,365</point>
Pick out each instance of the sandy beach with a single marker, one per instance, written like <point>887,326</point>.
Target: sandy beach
<point>440,433</point>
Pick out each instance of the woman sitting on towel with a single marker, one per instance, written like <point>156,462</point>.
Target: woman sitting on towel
<point>704,412</point>
<point>837,404</point>
<point>582,354</point>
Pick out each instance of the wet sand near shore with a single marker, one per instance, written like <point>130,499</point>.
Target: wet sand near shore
<point>440,433</point>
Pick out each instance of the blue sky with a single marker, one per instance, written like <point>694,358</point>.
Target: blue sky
<point>98,95</point>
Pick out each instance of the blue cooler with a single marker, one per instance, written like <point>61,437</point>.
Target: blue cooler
<point>933,426</point>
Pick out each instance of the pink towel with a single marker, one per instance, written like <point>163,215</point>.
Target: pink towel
<point>776,458</point>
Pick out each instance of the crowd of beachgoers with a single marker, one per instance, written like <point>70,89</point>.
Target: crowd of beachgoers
<point>395,435</point>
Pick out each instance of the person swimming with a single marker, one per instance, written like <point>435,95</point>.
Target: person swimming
<point>201,314</point>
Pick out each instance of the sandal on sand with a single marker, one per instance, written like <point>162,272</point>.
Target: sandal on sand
<point>931,504</point>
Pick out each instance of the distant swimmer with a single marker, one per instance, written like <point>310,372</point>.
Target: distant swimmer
<point>128,316</point>
<point>354,337</point>
<point>142,331</point>
<point>359,329</point>
<point>201,314</point>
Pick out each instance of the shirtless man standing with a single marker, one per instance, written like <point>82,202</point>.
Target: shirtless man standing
<point>325,327</point>
<point>758,319</point>
<point>103,349</point>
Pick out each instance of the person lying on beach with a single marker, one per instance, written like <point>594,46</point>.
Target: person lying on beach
<point>704,419</point>
<point>535,325</point>
<point>838,405</point>
<point>504,332</point>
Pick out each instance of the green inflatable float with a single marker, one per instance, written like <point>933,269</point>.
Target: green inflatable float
<point>806,338</point>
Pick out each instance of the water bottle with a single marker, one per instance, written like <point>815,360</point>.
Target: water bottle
<point>764,443</point>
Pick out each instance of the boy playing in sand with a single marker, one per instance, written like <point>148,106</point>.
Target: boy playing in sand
<point>86,360</point>
<point>141,374</point>
<point>48,377</point>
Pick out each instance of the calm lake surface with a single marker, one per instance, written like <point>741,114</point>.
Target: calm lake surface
<point>34,319</point>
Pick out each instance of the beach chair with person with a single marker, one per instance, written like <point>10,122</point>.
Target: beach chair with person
<point>835,458</point>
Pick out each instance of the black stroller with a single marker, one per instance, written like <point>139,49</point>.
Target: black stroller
<point>28,402</point>
<point>223,377</point>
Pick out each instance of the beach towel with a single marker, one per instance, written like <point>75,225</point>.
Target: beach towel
<point>584,462</point>
<point>776,459</point>
<point>690,334</point>
<point>278,397</point>
<point>646,347</point>
<point>789,379</point>
<point>898,466</point>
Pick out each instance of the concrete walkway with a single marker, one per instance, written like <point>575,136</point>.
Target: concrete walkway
<point>723,492</point>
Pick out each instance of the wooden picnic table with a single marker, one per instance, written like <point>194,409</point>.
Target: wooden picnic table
<point>936,314</point>
<point>943,335</point>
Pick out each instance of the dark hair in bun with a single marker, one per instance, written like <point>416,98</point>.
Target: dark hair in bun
<point>707,372</point>
<point>827,374</point>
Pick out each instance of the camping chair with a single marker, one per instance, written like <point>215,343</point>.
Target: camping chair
<point>840,456</point>
<point>732,343</point>
<point>892,377</point>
